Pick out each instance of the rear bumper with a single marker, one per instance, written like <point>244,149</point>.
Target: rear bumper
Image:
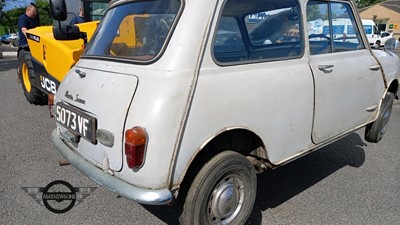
<point>140,195</point>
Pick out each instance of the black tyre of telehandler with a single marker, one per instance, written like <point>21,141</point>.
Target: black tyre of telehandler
<point>28,80</point>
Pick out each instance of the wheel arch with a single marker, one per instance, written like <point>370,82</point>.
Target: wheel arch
<point>394,87</point>
<point>238,139</point>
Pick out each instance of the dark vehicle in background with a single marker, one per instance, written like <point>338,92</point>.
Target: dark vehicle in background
<point>5,39</point>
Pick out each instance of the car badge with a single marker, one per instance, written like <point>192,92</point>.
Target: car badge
<point>76,99</point>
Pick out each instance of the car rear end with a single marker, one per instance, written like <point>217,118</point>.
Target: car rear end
<point>112,122</point>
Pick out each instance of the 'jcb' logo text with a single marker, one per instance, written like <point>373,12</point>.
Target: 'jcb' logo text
<point>48,84</point>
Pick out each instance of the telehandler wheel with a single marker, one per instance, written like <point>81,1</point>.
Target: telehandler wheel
<point>374,131</point>
<point>28,80</point>
<point>223,192</point>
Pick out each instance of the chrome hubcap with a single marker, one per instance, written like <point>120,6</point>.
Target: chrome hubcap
<point>226,200</point>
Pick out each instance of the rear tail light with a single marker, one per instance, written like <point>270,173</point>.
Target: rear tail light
<point>135,147</point>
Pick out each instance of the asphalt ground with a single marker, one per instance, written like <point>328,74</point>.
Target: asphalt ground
<point>348,182</point>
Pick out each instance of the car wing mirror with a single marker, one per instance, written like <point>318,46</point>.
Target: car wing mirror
<point>392,44</point>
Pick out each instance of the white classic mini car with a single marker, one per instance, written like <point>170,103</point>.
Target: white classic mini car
<point>178,99</point>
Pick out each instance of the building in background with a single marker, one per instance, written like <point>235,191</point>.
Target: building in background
<point>386,15</point>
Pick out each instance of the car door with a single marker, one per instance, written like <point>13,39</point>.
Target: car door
<point>255,78</point>
<point>346,76</point>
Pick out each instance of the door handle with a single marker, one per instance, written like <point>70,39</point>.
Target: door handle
<point>326,68</point>
<point>375,67</point>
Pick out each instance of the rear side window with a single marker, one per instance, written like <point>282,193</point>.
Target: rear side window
<point>136,30</point>
<point>258,30</point>
<point>332,28</point>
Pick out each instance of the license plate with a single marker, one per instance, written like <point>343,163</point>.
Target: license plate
<point>76,121</point>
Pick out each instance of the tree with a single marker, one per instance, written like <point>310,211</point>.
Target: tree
<point>365,3</point>
<point>314,12</point>
<point>2,3</point>
<point>44,12</point>
<point>9,19</point>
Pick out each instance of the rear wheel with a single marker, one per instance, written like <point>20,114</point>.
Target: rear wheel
<point>374,131</point>
<point>223,192</point>
<point>28,80</point>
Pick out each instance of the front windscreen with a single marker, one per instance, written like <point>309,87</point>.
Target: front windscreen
<point>136,30</point>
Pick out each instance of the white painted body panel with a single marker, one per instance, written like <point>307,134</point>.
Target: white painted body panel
<point>107,100</point>
<point>390,63</point>
<point>184,99</point>
<point>272,99</point>
<point>344,95</point>
<point>159,103</point>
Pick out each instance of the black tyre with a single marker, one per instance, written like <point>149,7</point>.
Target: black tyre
<point>374,131</point>
<point>28,80</point>
<point>223,192</point>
